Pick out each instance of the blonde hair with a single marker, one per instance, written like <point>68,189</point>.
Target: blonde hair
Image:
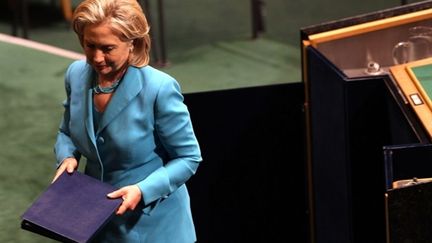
<point>125,16</point>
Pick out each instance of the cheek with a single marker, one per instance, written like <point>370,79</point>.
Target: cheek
<point>118,59</point>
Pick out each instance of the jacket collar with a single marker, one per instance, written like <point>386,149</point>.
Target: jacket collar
<point>129,88</point>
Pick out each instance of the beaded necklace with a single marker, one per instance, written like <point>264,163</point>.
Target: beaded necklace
<point>106,90</point>
<point>97,89</point>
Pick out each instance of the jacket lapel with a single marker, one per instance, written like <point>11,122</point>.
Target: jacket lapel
<point>89,116</point>
<point>89,76</point>
<point>129,87</point>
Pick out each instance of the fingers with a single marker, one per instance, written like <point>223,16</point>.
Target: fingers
<point>70,167</point>
<point>131,196</point>
<point>57,174</point>
<point>122,209</point>
<point>116,194</point>
<point>69,164</point>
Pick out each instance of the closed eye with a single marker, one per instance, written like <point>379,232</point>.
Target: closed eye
<point>107,49</point>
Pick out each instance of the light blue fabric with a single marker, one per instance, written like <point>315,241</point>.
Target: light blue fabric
<point>144,137</point>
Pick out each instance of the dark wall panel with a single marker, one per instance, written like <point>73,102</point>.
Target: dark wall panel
<point>251,184</point>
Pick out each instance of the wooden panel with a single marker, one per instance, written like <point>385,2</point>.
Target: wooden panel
<point>369,26</point>
<point>413,91</point>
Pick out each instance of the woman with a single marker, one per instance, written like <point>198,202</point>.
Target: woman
<point>130,123</point>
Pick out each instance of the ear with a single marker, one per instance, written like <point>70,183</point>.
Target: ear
<point>131,46</point>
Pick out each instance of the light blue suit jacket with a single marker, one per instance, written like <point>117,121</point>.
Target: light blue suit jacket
<point>144,137</point>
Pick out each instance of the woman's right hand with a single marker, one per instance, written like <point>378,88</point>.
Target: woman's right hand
<point>69,164</point>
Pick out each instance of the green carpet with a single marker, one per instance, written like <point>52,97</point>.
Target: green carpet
<point>235,64</point>
<point>31,92</point>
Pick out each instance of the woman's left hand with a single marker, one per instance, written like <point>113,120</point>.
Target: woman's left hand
<point>131,196</point>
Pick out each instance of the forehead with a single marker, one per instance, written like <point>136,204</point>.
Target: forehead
<point>101,34</point>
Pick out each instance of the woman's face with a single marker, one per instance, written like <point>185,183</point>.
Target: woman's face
<point>105,51</point>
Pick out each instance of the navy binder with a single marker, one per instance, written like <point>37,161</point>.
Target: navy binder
<point>72,209</point>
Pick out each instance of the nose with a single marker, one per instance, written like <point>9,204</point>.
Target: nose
<point>98,56</point>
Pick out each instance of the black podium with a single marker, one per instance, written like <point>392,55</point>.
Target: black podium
<point>355,113</point>
<point>408,207</point>
<point>409,211</point>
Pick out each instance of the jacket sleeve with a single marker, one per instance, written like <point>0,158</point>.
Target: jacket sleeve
<point>64,147</point>
<point>174,129</point>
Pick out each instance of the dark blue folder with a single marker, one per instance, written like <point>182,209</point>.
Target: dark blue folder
<point>72,209</point>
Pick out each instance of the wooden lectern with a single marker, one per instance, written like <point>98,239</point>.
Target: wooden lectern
<point>356,113</point>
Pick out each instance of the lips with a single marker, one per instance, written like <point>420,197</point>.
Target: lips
<point>100,67</point>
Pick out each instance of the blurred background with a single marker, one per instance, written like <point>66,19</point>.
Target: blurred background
<point>207,45</point>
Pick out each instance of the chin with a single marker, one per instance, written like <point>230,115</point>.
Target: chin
<point>103,70</point>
